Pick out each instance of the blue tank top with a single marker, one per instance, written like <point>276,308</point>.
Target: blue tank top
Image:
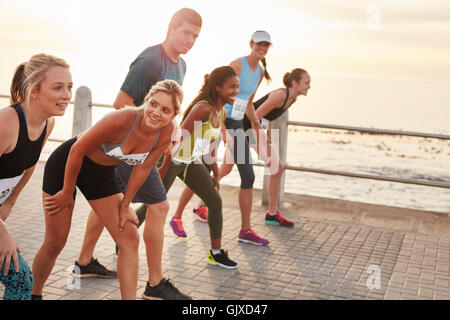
<point>248,81</point>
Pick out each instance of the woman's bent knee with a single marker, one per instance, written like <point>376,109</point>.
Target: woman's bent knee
<point>128,239</point>
<point>214,203</point>
<point>161,208</point>
<point>54,247</point>
<point>248,181</point>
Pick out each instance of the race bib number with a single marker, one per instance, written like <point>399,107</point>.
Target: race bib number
<point>7,187</point>
<point>201,147</point>
<point>130,159</point>
<point>265,123</point>
<point>239,107</point>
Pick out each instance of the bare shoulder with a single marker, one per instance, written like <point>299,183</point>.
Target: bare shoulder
<point>201,107</point>
<point>9,121</point>
<point>167,132</point>
<point>199,112</point>
<point>9,129</point>
<point>278,95</point>
<point>113,125</point>
<point>121,117</point>
<point>237,66</point>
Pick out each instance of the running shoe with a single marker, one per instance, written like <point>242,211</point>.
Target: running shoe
<point>201,213</point>
<point>278,220</point>
<point>93,270</point>
<point>177,227</point>
<point>165,290</point>
<point>221,259</point>
<point>251,237</point>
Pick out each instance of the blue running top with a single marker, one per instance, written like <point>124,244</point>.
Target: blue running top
<point>249,80</point>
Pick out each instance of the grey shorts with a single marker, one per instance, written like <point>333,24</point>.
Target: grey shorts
<point>151,192</point>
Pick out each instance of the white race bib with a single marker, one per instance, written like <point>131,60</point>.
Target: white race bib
<point>130,159</point>
<point>239,107</point>
<point>7,187</point>
<point>201,147</point>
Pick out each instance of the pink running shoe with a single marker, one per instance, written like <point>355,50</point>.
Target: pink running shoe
<point>278,220</point>
<point>251,237</point>
<point>201,213</point>
<point>177,228</point>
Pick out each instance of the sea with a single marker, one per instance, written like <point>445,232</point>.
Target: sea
<point>392,156</point>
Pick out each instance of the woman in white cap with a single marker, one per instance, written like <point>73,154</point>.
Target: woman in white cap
<point>250,73</point>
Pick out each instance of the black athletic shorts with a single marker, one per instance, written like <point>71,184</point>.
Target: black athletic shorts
<point>94,181</point>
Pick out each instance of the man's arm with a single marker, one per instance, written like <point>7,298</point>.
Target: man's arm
<point>123,99</point>
<point>143,73</point>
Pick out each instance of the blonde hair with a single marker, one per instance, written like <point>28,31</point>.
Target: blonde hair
<point>185,14</point>
<point>29,75</point>
<point>172,88</point>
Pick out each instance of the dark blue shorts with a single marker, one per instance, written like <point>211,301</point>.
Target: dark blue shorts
<point>151,192</point>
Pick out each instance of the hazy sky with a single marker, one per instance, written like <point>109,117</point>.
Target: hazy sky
<point>366,58</point>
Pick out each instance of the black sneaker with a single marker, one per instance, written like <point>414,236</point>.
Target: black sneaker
<point>93,269</point>
<point>165,290</point>
<point>221,259</point>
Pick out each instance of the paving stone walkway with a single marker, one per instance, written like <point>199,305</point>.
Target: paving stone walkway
<point>319,258</point>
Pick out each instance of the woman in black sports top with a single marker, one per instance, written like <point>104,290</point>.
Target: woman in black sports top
<point>268,108</point>
<point>41,88</point>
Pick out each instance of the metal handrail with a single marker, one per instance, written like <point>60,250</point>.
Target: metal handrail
<point>338,127</point>
<point>369,176</point>
<point>366,176</point>
<point>370,130</point>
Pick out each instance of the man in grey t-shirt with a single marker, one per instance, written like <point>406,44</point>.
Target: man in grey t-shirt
<point>155,63</point>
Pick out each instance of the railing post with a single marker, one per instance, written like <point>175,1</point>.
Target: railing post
<point>82,111</point>
<point>280,124</point>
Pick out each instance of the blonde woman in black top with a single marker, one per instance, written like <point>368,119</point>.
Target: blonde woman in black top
<point>41,88</point>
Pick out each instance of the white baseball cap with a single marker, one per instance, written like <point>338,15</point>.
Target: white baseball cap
<point>261,36</point>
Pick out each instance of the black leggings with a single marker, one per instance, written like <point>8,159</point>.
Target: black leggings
<point>241,153</point>
<point>198,179</point>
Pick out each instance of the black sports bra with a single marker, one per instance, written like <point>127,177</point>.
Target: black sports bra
<point>273,114</point>
<point>26,153</point>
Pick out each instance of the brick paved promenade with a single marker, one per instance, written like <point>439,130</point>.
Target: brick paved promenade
<point>334,251</point>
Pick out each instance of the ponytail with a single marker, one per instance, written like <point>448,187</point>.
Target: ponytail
<point>266,74</point>
<point>295,74</point>
<point>208,90</point>
<point>202,95</point>
<point>30,74</point>
<point>17,89</point>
